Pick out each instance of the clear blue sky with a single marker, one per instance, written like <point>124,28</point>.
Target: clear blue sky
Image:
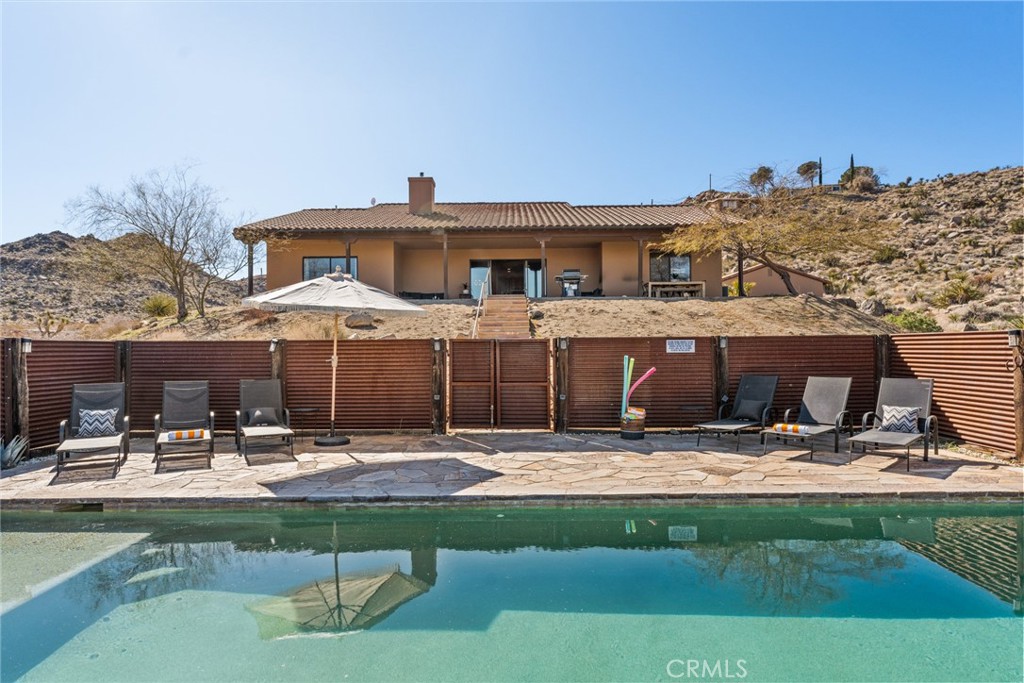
<point>286,106</point>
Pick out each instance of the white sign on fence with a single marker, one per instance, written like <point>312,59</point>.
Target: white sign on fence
<point>680,346</point>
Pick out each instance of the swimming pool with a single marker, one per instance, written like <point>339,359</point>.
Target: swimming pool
<point>666,593</point>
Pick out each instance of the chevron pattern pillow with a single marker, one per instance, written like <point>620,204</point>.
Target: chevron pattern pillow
<point>93,423</point>
<point>900,419</point>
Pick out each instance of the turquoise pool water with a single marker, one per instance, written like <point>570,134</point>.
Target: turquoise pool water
<point>601,594</point>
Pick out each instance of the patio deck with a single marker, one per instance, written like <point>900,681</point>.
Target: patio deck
<point>511,467</point>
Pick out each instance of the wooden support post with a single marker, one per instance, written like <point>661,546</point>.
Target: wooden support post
<point>19,390</point>
<point>123,373</point>
<point>639,267</point>
<point>543,267</point>
<point>249,249</point>
<point>561,385</point>
<point>444,264</point>
<point>882,354</point>
<point>438,386</point>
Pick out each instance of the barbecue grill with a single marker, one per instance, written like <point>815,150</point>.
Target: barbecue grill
<point>570,279</point>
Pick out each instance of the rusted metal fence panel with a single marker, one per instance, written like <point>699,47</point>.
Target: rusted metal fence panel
<point>6,397</point>
<point>973,396</point>
<point>471,370</point>
<point>679,394</point>
<point>524,384</point>
<point>794,359</point>
<point>382,384</point>
<point>222,363</point>
<point>53,366</point>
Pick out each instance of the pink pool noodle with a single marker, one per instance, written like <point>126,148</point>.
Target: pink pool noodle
<point>637,383</point>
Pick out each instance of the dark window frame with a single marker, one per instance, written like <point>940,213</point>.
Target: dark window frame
<point>333,262</point>
<point>660,267</point>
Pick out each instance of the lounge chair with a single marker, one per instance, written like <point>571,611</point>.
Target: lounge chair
<point>822,410</point>
<point>185,424</point>
<point>261,415</point>
<point>751,408</point>
<point>902,417</point>
<point>97,424</point>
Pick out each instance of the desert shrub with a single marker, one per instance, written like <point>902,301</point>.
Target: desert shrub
<point>734,287</point>
<point>887,253</point>
<point>160,305</point>
<point>913,321</point>
<point>972,203</point>
<point>831,261</point>
<point>917,214</point>
<point>920,266</point>
<point>864,183</point>
<point>1017,226</point>
<point>870,291</point>
<point>974,221</point>
<point>958,291</point>
<point>1015,323</point>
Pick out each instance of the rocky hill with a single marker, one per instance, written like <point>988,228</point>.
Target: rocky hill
<point>56,273</point>
<point>954,251</point>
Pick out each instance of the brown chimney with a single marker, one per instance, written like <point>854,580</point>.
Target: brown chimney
<point>421,195</point>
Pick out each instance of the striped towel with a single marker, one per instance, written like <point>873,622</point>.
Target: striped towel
<point>186,435</point>
<point>790,429</point>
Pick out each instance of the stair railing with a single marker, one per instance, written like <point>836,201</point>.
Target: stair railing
<point>484,286</point>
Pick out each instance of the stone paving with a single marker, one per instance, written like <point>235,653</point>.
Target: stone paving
<point>509,467</point>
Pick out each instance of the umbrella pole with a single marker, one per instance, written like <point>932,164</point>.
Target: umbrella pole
<point>333,439</point>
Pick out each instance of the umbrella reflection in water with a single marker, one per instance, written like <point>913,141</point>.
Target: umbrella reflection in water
<point>337,605</point>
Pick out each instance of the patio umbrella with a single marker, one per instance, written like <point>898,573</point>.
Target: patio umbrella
<point>336,293</point>
<point>338,604</point>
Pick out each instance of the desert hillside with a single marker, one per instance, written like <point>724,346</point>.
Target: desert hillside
<point>954,251</point>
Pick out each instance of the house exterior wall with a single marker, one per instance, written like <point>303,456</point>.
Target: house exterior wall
<point>768,283</point>
<point>609,265</point>
<point>376,260</point>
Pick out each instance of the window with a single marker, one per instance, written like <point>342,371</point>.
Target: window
<point>318,266</point>
<point>670,268</point>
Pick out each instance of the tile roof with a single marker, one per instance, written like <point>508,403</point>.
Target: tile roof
<point>485,217</point>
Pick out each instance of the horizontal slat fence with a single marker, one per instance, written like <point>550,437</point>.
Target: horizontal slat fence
<point>794,359</point>
<point>223,363</point>
<point>679,394</point>
<point>973,396</point>
<point>382,384</point>
<point>524,387</point>
<point>53,366</point>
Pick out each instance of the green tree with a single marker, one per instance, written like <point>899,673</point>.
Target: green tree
<point>762,180</point>
<point>780,227</point>
<point>808,170</point>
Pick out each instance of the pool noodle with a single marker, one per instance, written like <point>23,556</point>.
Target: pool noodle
<point>625,383</point>
<point>637,383</point>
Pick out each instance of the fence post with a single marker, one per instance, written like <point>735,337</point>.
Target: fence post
<point>882,354</point>
<point>561,385</point>
<point>19,389</point>
<point>437,386</point>
<point>123,372</point>
<point>1018,404</point>
<point>8,384</point>
<point>278,360</point>
<point>720,369</point>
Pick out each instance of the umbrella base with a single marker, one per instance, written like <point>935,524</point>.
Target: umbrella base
<point>329,440</point>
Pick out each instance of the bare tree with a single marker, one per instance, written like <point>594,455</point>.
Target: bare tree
<point>177,218</point>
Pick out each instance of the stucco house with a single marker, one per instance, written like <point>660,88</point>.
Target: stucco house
<point>436,250</point>
<point>767,282</point>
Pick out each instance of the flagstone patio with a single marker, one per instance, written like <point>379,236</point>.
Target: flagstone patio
<point>510,467</point>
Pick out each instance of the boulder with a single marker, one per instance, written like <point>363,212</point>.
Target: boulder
<point>357,320</point>
<point>873,307</point>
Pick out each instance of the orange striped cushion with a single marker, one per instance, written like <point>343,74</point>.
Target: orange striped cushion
<point>186,435</point>
<point>789,429</point>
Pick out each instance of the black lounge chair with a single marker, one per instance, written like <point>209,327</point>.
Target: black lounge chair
<point>185,424</point>
<point>903,428</point>
<point>822,411</point>
<point>261,415</point>
<point>751,408</point>
<point>92,428</point>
